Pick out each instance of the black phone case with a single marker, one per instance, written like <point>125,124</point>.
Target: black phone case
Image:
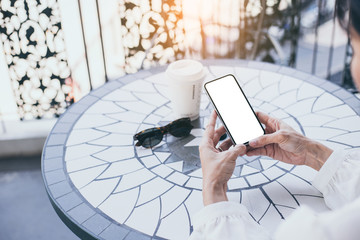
<point>219,115</point>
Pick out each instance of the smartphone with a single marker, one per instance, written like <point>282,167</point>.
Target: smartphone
<point>234,109</point>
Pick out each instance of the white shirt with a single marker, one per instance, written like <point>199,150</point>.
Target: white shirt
<point>339,182</point>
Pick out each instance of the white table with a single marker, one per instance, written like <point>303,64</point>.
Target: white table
<point>102,186</point>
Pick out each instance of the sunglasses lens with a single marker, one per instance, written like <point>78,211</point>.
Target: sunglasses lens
<point>151,138</point>
<point>180,128</point>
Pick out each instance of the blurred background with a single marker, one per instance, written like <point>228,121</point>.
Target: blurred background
<point>53,52</point>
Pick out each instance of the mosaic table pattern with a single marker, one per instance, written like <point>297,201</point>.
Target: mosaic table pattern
<point>102,186</point>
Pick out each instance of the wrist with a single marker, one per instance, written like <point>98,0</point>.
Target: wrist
<point>214,192</point>
<point>317,154</point>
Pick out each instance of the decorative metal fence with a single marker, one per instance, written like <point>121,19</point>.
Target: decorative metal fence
<point>32,40</point>
<point>153,32</point>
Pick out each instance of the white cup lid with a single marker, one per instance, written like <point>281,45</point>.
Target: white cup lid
<point>186,69</point>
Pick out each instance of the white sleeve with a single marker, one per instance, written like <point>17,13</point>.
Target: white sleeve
<point>304,223</point>
<point>226,220</point>
<point>339,182</point>
<point>230,221</point>
<point>339,178</point>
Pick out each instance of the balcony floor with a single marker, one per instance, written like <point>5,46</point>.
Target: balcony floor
<point>26,212</point>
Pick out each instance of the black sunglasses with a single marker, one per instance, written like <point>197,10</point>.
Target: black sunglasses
<point>151,137</point>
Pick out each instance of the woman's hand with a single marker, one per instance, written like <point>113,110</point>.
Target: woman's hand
<point>217,163</point>
<point>283,143</point>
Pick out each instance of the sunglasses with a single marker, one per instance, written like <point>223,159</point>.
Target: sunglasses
<point>153,136</point>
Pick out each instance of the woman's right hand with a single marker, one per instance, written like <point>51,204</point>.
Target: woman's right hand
<point>281,142</point>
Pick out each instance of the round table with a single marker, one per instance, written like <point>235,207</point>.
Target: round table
<point>104,187</point>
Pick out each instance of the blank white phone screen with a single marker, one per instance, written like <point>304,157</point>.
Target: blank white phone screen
<point>234,109</point>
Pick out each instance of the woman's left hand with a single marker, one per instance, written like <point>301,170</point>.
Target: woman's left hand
<point>217,163</point>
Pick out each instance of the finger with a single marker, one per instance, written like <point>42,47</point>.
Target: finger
<point>226,144</point>
<point>266,139</point>
<point>209,130</point>
<point>212,120</point>
<point>218,133</point>
<point>256,152</point>
<point>270,123</point>
<point>238,150</point>
<point>263,117</point>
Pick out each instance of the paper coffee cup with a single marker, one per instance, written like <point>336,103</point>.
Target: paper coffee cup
<point>185,78</point>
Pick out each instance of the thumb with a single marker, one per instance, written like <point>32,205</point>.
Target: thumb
<point>265,140</point>
<point>238,150</point>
